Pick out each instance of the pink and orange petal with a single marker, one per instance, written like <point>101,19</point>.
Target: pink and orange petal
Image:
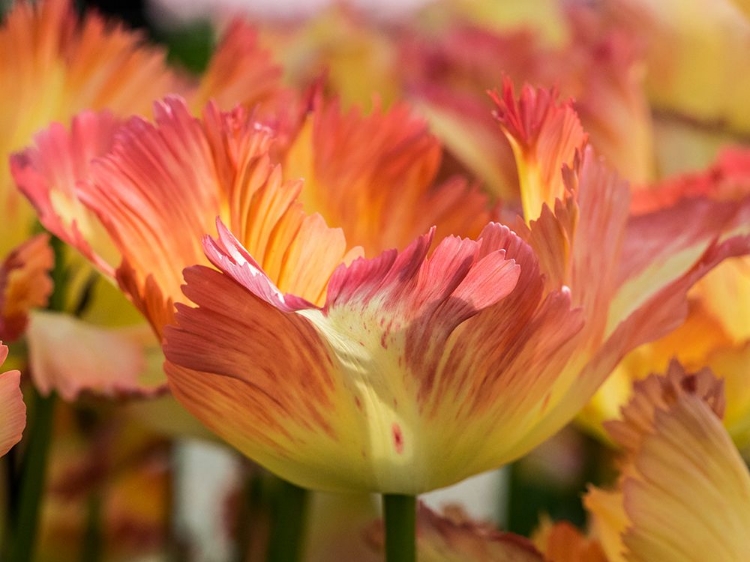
<point>376,177</point>
<point>366,374</point>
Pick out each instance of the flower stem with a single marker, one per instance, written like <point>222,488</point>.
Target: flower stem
<point>93,539</point>
<point>400,514</point>
<point>287,523</point>
<point>32,481</point>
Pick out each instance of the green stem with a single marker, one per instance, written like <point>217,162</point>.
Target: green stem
<point>400,515</point>
<point>32,481</point>
<point>93,544</point>
<point>287,523</point>
<point>38,438</point>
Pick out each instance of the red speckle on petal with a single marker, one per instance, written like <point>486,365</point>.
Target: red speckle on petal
<point>398,438</point>
<point>384,341</point>
<point>358,403</point>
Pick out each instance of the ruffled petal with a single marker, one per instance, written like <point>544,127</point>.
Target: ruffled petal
<point>685,489</point>
<point>630,274</point>
<point>25,284</point>
<point>408,352</point>
<point>544,136</point>
<point>12,408</point>
<point>136,191</point>
<point>375,177</point>
<point>50,174</point>
<point>71,357</point>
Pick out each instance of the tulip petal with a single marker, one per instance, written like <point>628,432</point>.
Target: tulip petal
<point>404,347</point>
<point>544,137</point>
<point>12,408</point>
<point>374,177</point>
<point>563,542</point>
<point>685,488</point>
<point>71,357</point>
<point>50,173</point>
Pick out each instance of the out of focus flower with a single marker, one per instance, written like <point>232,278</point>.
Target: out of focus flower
<point>24,285</point>
<point>696,76</point>
<point>684,491</point>
<point>12,408</point>
<point>104,462</point>
<point>54,66</point>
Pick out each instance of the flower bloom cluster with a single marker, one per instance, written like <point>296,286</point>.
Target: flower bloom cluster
<point>390,300</point>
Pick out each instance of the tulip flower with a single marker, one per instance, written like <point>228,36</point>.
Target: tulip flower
<point>684,490</point>
<point>445,334</point>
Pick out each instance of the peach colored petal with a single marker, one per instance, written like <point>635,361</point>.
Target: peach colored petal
<point>684,487</point>
<point>375,177</point>
<point>662,245</point>
<point>715,330</point>
<point>12,408</point>
<point>24,284</point>
<point>71,357</point>
<point>544,136</point>
<point>608,520</point>
<point>454,537</point>
<point>382,376</point>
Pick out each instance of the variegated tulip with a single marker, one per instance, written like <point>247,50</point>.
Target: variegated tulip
<point>412,370</point>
